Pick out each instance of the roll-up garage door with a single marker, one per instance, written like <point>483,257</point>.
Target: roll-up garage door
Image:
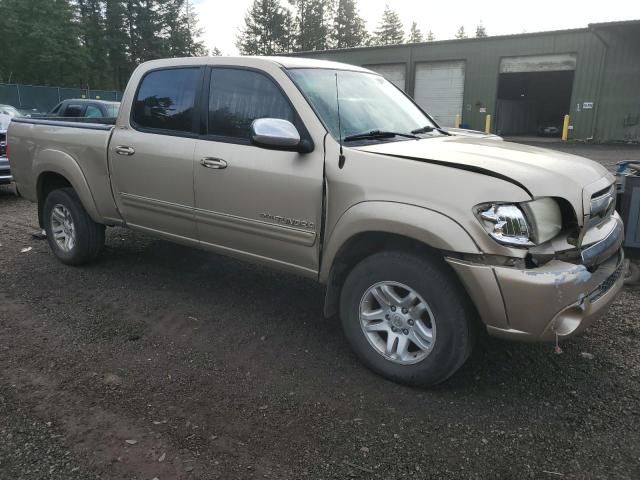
<point>439,90</point>
<point>395,73</point>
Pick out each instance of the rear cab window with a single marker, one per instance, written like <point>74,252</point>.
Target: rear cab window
<point>73,110</point>
<point>165,101</point>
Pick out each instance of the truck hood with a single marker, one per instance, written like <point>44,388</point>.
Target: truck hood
<point>539,171</point>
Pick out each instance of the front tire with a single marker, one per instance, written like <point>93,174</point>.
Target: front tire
<point>407,317</point>
<point>73,236</point>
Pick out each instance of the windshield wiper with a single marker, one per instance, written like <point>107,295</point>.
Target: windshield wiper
<point>373,134</point>
<point>429,129</point>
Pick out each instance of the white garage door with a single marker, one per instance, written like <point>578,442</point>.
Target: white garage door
<point>395,73</point>
<point>439,90</point>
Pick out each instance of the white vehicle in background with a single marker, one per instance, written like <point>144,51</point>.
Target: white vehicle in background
<point>7,112</point>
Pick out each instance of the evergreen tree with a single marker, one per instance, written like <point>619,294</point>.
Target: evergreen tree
<point>215,52</point>
<point>41,42</point>
<point>415,34</point>
<point>461,33</point>
<point>117,42</point>
<point>390,30</point>
<point>349,28</point>
<point>91,22</point>
<point>267,29</point>
<point>312,24</point>
<point>481,31</point>
<point>182,31</point>
<point>430,36</point>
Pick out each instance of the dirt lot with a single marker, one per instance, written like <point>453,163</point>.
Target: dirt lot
<point>163,362</point>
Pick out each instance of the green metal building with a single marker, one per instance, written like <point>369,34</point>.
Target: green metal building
<point>525,82</point>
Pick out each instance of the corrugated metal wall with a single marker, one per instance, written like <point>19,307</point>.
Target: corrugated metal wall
<point>596,74</point>
<point>619,108</point>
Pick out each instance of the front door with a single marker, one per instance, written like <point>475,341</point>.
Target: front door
<point>249,201</point>
<point>152,157</point>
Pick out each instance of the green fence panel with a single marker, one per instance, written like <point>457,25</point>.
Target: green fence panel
<point>66,93</point>
<point>9,95</point>
<point>43,99</point>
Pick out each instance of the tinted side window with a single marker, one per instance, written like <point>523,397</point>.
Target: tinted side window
<point>73,110</point>
<point>166,99</point>
<point>238,97</point>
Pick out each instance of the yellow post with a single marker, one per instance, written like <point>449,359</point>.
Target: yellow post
<point>456,124</point>
<point>565,128</point>
<point>487,124</point>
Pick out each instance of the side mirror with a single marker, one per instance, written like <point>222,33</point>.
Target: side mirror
<point>278,134</point>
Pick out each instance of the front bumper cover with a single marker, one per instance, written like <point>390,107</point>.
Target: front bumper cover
<point>558,299</point>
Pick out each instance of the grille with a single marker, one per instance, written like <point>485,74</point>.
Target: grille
<point>605,286</point>
<point>3,144</point>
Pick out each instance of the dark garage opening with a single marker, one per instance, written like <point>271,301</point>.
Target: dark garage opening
<point>533,103</point>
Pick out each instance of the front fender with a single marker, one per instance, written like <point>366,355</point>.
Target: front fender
<point>427,226</point>
<point>56,161</point>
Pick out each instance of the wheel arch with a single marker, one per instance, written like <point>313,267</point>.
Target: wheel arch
<point>55,169</point>
<point>371,227</point>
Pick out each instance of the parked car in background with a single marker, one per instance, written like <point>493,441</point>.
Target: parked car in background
<point>10,111</point>
<point>7,113</point>
<point>84,108</point>
<point>329,171</point>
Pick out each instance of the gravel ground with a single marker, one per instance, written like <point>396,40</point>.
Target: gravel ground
<point>164,362</point>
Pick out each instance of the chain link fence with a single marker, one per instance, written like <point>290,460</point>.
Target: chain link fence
<point>42,99</point>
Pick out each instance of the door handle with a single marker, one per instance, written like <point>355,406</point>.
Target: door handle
<point>215,163</point>
<point>126,151</point>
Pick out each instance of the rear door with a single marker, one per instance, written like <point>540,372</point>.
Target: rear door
<point>152,155</point>
<point>254,202</point>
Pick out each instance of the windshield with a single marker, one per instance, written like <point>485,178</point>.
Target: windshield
<point>368,102</point>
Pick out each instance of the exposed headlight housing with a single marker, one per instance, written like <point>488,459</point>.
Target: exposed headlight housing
<point>522,225</point>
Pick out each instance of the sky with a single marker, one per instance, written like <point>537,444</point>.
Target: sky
<point>222,19</point>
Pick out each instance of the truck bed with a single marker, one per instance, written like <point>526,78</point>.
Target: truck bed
<point>75,149</point>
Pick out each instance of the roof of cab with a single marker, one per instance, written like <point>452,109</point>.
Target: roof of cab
<point>251,61</point>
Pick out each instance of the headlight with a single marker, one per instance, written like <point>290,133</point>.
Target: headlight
<point>522,225</point>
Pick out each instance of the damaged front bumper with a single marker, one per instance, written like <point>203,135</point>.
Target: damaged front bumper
<point>557,299</point>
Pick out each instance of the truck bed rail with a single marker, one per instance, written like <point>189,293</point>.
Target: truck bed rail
<point>85,123</point>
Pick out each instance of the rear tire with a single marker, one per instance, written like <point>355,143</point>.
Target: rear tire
<point>73,236</point>
<point>449,322</point>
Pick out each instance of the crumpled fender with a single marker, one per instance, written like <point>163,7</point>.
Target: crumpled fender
<point>427,226</point>
<point>56,161</point>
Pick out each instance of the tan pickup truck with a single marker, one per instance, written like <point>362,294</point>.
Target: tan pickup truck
<point>328,171</point>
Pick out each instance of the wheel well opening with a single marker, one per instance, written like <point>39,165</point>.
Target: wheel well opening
<point>361,246</point>
<point>48,182</point>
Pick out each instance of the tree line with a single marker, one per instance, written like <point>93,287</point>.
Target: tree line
<point>92,43</point>
<point>271,27</point>
<point>96,44</point>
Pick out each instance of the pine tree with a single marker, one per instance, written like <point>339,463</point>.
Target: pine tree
<point>415,34</point>
<point>461,33</point>
<point>349,28</point>
<point>41,42</point>
<point>182,32</point>
<point>91,22</point>
<point>215,52</point>
<point>267,29</point>
<point>481,31</point>
<point>312,23</point>
<point>117,41</point>
<point>390,30</point>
